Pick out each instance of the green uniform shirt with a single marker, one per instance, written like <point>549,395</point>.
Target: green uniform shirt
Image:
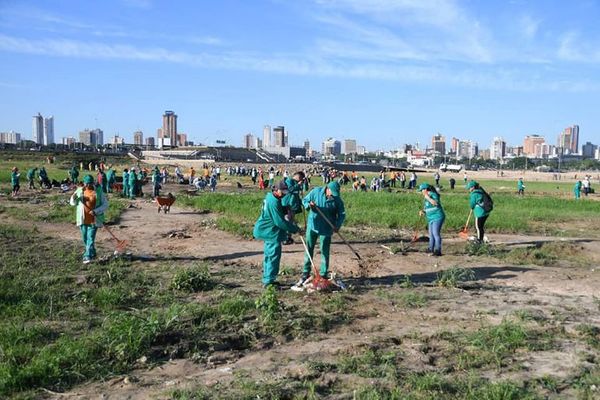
<point>332,208</point>
<point>31,173</point>
<point>14,178</point>
<point>433,213</point>
<point>292,198</point>
<point>520,185</point>
<point>577,187</point>
<point>271,225</point>
<point>476,203</point>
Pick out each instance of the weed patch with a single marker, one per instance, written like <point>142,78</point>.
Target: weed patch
<point>451,277</point>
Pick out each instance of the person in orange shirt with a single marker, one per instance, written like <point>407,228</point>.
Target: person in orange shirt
<point>91,204</point>
<point>192,175</point>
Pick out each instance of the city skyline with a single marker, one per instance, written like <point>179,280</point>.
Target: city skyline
<point>381,72</point>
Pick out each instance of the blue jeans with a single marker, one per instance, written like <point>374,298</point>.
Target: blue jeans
<point>435,236</point>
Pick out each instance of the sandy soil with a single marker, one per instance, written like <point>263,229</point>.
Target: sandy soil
<point>499,290</point>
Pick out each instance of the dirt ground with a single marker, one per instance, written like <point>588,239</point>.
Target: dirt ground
<point>560,291</point>
<point>498,290</point>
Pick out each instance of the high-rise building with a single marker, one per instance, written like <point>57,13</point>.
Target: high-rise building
<point>181,139</point>
<point>331,147</point>
<point>117,140</point>
<point>48,130</point>
<point>280,136</point>
<point>306,145</point>
<point>498,149</point>
<point>11,137</point>
<point>588,150</point>
<point>94,137</point>
<point>38,129</point>
<point>138,138</point>
<point>150,142</point>
<point>349,146</point>
<point>267,136</point>
<point>169,128</point>
<point>467,149</point>
<point>530,142</point>
<point>568,140</point>
<point>438,144</point>
<point>68,141</point>
<point>454,145</point>
<point>249,141</point>
<point>544,150</point>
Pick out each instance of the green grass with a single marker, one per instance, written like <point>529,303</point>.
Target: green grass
<point>238,212</point>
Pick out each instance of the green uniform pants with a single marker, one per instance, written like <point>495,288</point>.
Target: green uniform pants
<point>88,234</point>
<point>126,189</point>
<point>324,245</point>
<point>271,261</point>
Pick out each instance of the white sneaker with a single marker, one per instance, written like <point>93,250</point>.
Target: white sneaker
<point>87,261</point>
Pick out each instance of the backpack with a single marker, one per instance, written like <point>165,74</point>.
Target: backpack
<point>486,203</point>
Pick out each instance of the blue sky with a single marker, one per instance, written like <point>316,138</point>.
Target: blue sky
<point>384,72</point>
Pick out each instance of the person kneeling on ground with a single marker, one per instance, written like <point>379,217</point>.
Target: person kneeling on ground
<point>326,210</point>
<point>91,204</point>
<point>433,210</point>
<point>481,204</point>
<point>272,227</point>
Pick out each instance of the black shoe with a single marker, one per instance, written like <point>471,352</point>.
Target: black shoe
<point>288,241</point>
<point>428,251</point>
<point>437,253</point>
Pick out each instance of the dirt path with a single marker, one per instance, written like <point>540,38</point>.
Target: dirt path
<point>500,290</point>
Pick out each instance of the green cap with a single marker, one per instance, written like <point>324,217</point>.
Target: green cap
<point>472,184</point>
<point>88,179</point>
<point>423,186</point>
<point>335,188</point>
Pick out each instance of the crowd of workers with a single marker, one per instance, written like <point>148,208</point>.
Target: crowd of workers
<point>322,207</point>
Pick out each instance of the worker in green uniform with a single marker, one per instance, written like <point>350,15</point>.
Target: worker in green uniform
<point>520,187</point>
<point>482,205</point>
<point>132,183</point>
<point>434,212</point>
<point>272,227</point>
<point>324,200</point>
<point>91,204</point>
<point>292,202</point>
<point>31,177</point>
<point>74,175</point>
<point>156,180</point>
<point>110,179</point>
<point>15,177</point>
<point>577,190</point>
<point>125,182</point>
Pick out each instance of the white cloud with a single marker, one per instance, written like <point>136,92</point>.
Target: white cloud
<point>291,64</point>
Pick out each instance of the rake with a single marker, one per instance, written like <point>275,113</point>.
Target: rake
<point>358,257</point>
<point>318,281</point>
<point>464,232</point>
<point>120,245</point>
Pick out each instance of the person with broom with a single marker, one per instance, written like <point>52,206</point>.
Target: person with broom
<point>434,212</point>
<point>272,228</point>
<point>326,216</point>
<point>91,204</point>
<point>15,177</point>
<point>481,205</point>
<point>292,202</point>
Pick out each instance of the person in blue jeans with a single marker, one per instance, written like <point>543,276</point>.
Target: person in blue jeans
<point>434,212</point>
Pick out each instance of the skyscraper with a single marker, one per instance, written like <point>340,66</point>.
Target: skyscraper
<point>530,142</point>
<point>169,128</point>
<point>94,137</point>
<point>454,145</point>
<point>249,141</point>
<point>332,147</point>
<point>38,129</point>
<point>267,136</point>
<point>498,149</point>
<point>349,146</point>
<point>48,130</point>
<point>138,138</point>
<point>568,140</point>
<point>438,144</point>
<point>280,136</point>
